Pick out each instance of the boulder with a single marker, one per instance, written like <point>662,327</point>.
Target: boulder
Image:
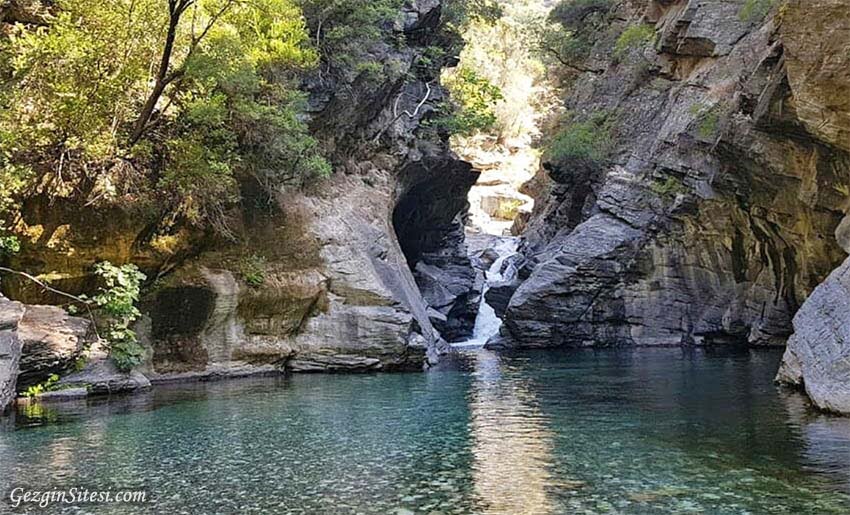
<point>52,341</point>
<point>10,349</point>
<point>818,354</point>
<point>100,376</point>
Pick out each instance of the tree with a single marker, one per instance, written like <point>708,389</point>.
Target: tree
<point>151,100</point>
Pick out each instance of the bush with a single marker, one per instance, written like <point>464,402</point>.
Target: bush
<point>47,386</point>
<point>9,245</point>
<point>588,141</point>
<point>633,38</point>
<point>670,187</point>
<point>346,31</point>
<point>117,298</point>
<point>572,29</point>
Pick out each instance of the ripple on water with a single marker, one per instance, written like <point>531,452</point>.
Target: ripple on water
<point>646,431</point>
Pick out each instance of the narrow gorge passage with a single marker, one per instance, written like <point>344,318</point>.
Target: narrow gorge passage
<point>444,257</point>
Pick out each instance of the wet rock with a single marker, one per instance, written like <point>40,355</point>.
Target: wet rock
<point>499,296</point>
<point>63,395</point>
<point>10,349</point>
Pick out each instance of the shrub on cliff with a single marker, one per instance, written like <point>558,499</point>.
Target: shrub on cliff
<point>585,142</point>
<point>572,13</point>
<point>346,32</point>
<point>635,37</point>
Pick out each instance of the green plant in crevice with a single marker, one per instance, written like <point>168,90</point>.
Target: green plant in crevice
<point>47,386</point>
<point>253,270</point>
<point>118,298</point>
<point>587,141</point>
<point>9,245</point>
<point>708,119</point>
<point>633,38</point>
<point>669,187</point>
<point>754,11</point>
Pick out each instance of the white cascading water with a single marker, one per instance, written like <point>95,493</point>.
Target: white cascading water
<point>487,324</point>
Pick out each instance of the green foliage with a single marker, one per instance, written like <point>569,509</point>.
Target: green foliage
<point>458,14</point>
<point>708,119</point>
<point>588,141</point>
<point>76,88</point>
<point>253,270</point>
<point>346,30</point>
<point>633,38</point>
<point>708,126</point>
<point>47,386</point>
<point>117,298</point>
<point>670,187</point>
<point>754,11</point>
<point>473,101</point>
<point>9,245</point>
<point>572,29</point>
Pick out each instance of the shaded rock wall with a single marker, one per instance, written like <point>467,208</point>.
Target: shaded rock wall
<point>714,217</point>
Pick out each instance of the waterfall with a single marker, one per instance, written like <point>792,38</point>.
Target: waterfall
<point>487,324</point>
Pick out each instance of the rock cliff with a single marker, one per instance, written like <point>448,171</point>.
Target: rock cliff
<point>712,217</point>
<point>313,279</point>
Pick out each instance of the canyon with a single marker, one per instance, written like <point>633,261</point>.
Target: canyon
<point>717,216</point>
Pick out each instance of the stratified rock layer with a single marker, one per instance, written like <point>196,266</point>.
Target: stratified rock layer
<point>714,217</point>
<point>52,341</point>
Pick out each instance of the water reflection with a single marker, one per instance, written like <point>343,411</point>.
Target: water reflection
<point>637,431</point>
<point>511,441</point>
<point>826,439</point>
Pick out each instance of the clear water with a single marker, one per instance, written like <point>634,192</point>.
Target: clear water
<point>641,431</point>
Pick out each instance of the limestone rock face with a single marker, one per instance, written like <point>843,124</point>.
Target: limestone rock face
<point>818,354</point>
<point>52,340</point>
<point>817,52</point>
<point>10,349</point>
<point>715,214</point>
